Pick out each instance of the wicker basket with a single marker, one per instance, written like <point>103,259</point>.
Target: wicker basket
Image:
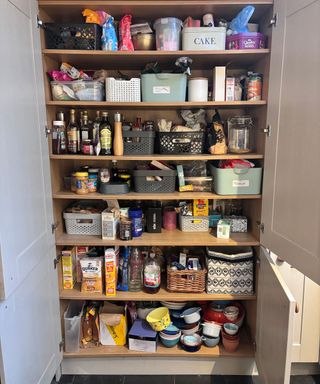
<point>123,90</point>
<point>186,280</point>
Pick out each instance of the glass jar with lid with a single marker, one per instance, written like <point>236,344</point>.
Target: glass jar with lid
<point>240,134</point>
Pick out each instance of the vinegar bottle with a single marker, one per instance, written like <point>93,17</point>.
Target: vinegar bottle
<point>135,270</point>
<point>151,274</point>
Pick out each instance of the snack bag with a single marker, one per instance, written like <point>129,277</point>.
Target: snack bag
<point>125,34</point>
<point>94,17</point>
<point>109,41</point>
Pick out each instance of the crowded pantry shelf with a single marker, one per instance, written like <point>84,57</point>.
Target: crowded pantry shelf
<point>162,295</point>
<point>165,238</point>
<point>155,156</point>
<point>163,105</point>
<point>66,195</point>
<point>138,59</point>
<point>245,350</point>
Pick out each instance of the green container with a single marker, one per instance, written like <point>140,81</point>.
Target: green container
<point>236,181</point>
<point>164,87</point>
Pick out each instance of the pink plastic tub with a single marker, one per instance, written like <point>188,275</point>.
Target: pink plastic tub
<point>248,40</point>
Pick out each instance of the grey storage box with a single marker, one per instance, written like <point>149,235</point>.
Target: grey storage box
<point>114,188</point>
<point>236,181</point>
<point>143,185</point>
<point>163,87</point>
<point>194,223</point>
<point>230,270</point>
<point>138,143</point>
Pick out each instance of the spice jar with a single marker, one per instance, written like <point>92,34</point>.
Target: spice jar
<point>125,229</point>
<point>87,147</point>
<point>93,180</point>
<point>104,175</point>
<point>240,134</point>
<point>82,183</point>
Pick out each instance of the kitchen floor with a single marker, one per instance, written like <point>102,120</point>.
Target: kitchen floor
<point>179,379</point>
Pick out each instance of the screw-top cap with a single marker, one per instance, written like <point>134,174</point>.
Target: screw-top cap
<point>117,117</point>
<point>60,116</point>
<point>58,123</point>
<point>104,113</point>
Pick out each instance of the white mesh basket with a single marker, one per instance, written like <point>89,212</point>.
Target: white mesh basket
<point>123,90</point>
<point>83,224</point>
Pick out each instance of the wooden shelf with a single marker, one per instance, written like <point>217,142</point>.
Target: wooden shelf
<point>165,238</point>
<point>66,195</point>
<point>162,295</point>
<point>245,350</point>
<point>163,106</point>
<point>158,157</point>
<point>138,59</point>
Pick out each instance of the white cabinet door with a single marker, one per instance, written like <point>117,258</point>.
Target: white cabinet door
<point>29,310</point>
<point>275,318</point>
<point>291,198</point>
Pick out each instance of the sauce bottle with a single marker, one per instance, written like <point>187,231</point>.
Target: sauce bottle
<point>59,146</point>
<point>72,133</point>
<point>105,133</point>
<point>151,274</point>
<point>135,270</point>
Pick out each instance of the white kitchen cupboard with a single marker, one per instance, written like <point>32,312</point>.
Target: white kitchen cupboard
<point>30,337</point>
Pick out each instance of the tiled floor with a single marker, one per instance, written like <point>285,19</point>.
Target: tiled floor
<point>179,379</point>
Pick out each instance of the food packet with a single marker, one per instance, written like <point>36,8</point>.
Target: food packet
<point>59,76</point>
<point>123,270</point>
<point>236,163</point>
<point>216,137</point>
<point>125,43</point>
<point>94,17</point>
<point>109,41</point>
<point>91,268</point>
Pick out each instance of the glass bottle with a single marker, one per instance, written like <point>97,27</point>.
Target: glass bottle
<point>58,138</point>
<point>114,171</point>
<point>135,270</point>
<point>240,134</point>
<point>151,274</point>
<point>95,129</point>
<point>85,130</point>
<point>72,133</point>
<point>105,133</point>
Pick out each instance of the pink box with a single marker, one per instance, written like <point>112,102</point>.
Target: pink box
<point>248,40</point>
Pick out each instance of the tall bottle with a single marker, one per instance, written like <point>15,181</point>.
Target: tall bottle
<point>105,133</point>
<point>135,270</point>
<point>72,133</point>
<point>114,171</point>
<point>151,274</point>
<point>118,139</point>
<point>85,130</point>
<point>59,140</point>
<point>95,133</point>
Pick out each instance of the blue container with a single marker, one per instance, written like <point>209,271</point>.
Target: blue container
<point>135,215</point>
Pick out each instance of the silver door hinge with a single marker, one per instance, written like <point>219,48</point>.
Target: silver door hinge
<point>54,226</point>
<point>47,130</point>
<point>261,226</point>
<point>61,345</point>
<point>39,22</point>
<point>56,261</point>
<point>267,130</point>
<point>273,21</point>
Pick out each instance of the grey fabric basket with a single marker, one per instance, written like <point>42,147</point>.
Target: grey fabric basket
<point>138,143</point>
<point>166,185</point>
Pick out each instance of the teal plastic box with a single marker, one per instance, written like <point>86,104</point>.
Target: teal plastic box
<point>163,87</point>
<point>236,181</point>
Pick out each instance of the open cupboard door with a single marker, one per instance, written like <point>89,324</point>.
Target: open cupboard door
<point>291,198</point>
<point>30,330</point>
<point>275,317</point>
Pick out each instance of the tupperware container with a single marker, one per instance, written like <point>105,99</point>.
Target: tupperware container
<point>77,90</point>
<point>163,87</point>
<point>168,31</point>
<point>72,323</point>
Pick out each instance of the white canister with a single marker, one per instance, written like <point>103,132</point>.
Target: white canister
<point>198,89</point>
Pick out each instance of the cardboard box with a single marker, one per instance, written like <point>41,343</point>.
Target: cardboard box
<point>68,265</point>
<point>230,88</point>
<point>142,337</point>
<point>110,223</point>
<point>219,83</point>
<point>80,253</point>
<point>201,207</point>
<point>110,267</point>
<point>113,324</point>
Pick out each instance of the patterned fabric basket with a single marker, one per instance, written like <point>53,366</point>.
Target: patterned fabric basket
<point>186,280</point>
<point>194,223</point>
<point>123,90</point>
<point>230,270</point>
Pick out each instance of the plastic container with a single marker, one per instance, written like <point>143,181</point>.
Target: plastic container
<point>180,143</point>
<point>138,143</point>
<point>236,181</point>
<point>83,223</point>
<point>203,38</point>
<point>82,183</point>
<point>168,31</point>
<point>77,90</point>
<point>169,218</point>
<point>240,134</point>
<point>72,325</point>
<point>123,90</point>
<point>200,184</point>
<point>135,214</point>
<point>142,184</point>
<point>198,89</point>
<point>159,319</point>
<point>248,40</point>
<point>163,87</point>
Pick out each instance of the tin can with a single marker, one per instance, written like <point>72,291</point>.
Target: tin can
<point>254,86</point>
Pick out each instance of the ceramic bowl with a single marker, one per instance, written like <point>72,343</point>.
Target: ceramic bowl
<point>231,313</point>
<point>173,304</point>
<point>192,340</point>
<point>171,330</point>
<point>159,319</point>
<point>210,341</point>
<point>170,337</point>
<point>191,331</point>
<point>230,345</point>
<point>189,348</point>
<point>191,315</point>
<point>211,329</point>
<point>169,343</point>
<point>189,326</point>
<point>230,328</point>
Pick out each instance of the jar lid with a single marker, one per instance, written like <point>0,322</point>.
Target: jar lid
<point>92,176</point>
<point>93,170</point>
<point>81,174</point>
<point>87,142</point>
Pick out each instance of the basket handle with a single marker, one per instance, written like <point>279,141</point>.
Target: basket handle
<point>181,141</point>
<point>84,221</point>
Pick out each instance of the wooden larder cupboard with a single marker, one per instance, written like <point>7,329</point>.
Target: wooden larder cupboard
<point>287,141</point>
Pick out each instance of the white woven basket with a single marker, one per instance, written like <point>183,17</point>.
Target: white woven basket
<point>123,90</point>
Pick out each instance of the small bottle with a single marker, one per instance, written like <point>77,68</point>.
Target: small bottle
<point>118,139</point>
<point>58,138</point>
<point>114,171</point>
<point>84,130</point>
<point>72,133</point>
<point>151,274</point>
<point>105,134</point>
<point>135,270</point>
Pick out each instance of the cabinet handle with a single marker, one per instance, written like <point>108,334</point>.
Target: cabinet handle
<point>297,309</point>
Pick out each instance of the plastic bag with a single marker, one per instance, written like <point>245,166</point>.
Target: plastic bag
<point>236,163</point>
<point>217,143</point>
<point>109,41</point>
<point>94,17</point>
<point>194,168</point>
<point>240,23</point>
<point>195,120</point>
<point>125,43</point>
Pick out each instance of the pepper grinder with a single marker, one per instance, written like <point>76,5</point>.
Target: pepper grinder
<point>118,139</point>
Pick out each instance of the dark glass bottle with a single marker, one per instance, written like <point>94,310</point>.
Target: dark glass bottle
<point>72,133</point>
<point>105,134</point>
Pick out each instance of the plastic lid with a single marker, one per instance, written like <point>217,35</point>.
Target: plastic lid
<point>198,78</point>
<point>58,123</point>
<point>81,174</point>
<point>93,170</point>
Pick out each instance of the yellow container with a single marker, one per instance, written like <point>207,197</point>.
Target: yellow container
<point>159,319</point>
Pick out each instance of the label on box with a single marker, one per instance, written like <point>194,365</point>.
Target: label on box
<point>240,183</point>
<point>165,90</point>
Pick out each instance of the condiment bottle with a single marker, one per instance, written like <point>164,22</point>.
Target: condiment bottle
<point>72,133</point>
<point>95,133</point>
<point>135,270</point>
<point>118,139</point>
<point>151,274</point>
<point>84,132</point>
<point>105,134</point>
<point>58,138</point>
<point>114,171</point>
<point>137,126</point>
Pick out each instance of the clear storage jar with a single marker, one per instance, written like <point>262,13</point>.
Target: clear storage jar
<point>240,134</point>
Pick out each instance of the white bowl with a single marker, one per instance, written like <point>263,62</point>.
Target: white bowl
<point>230,328</point>
<point>191,315</point>
<point>211,329</point>
<point>191,330</point>
<point>173,305</point>
<point>231,313</point>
